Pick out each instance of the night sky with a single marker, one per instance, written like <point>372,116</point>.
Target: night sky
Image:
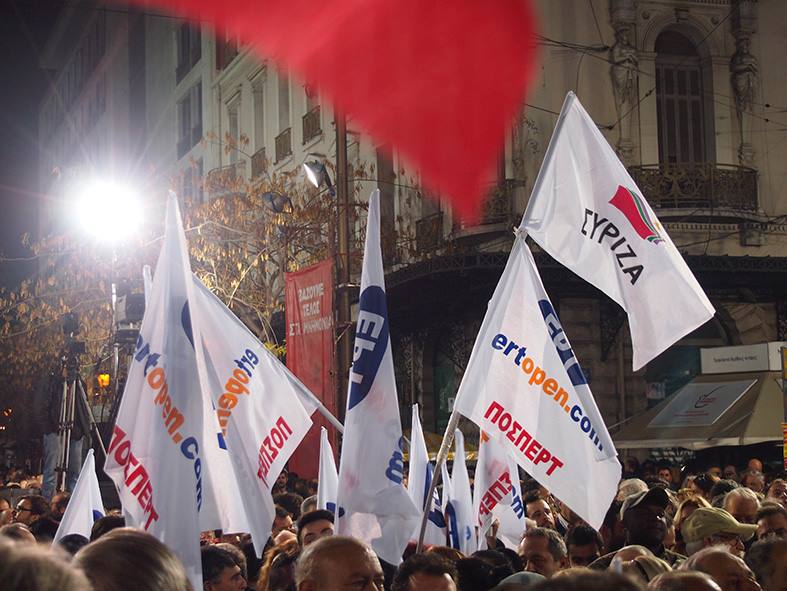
<point>24,26</point>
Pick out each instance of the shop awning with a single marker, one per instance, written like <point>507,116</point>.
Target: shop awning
<point>709,411</point>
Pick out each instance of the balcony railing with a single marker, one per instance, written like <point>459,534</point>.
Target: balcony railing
<point>497,209</point>
<point>429,233</point>
<point>284,144</point>
<point>259,164</point>
<point>225,179</point>
<point>311,124</point>
<point>698,186</point>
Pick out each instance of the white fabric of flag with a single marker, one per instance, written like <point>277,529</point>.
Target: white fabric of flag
<point>587,212</point>
<point>497,493</point>
<point>258,402</point>
<point>328,478</point>
<point>165,432</point>
<point>458,501</point>
<point>419,480</point>
<point>85,504</point>
<point>377,507</point>
<point>524,385</point>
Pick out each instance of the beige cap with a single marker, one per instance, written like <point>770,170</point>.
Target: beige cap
<point>653,496</point>
<point>709,521</point>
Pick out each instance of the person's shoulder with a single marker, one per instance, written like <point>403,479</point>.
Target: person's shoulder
<point>673,558</point>
<point>603,562</point>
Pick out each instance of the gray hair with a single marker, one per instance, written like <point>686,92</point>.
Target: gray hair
<point>677,580</point>
<point>555,544</point>
<point>694,561</point>
<point>743,492</point>
<point>309,564</point>
<point>24,566</point>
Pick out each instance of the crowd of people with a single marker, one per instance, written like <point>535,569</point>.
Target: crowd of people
<point>717,530</point>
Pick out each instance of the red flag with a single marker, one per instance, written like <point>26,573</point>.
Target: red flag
<point>439,81</point>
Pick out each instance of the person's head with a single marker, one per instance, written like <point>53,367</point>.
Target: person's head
<point>291,502</point>
<point>730,472</point>
<point>768,561</point>
<point>519,582</point>
<point>450,554</point>
<point>127,558</point>
<point>59,504</point>
<point>425,572</point>
<point>314,525</point>
<point>771,520</point>
<point>44,529</point>
<point>644,568</point>
<point>35,568</point>
<point>711,526</point>
<point>644,516</point>
<point>220,572</point>
<point>543,551</point>
<point>687,507</point>
<point>584,545</point>
<point>104,525</point>
<point>742,504</point>
<point>665,474</point>
<point>753,479</point>
<point>278,568</point>
<point>30,508</point>
<point>582,579</point>
<point>237,556</point>
<point>73,543</point>
<point>612,531</point>
<point>336,563</point>
<point>777,492</point>
<point>309,504</point>
<point>729,571</point>
<point>754,464</point>
<point>630,486</point>
<point>17,532</point>
<point>703,484</point>
<point>722,487</point>
<point>539,511</point>
<point>281,522</point>
<point>678,580</point>
<point>281,480</point>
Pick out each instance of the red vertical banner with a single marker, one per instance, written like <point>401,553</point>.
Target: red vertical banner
<point>310,352</point>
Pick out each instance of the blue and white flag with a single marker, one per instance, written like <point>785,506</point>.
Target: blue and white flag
<point>263,413</point>
<point>525,387</point>
<point>378,509</point>
<point>165,430</point>
<point>328,478</point>
<point>419,479</point>
<point>85,504</point>
<point>458,501</point>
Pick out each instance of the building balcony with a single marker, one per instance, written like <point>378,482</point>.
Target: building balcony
<point>702,187</point>
<point>496,216</point>
<point>225,180</point>
<point>259,163</point>
<point>283,144</point>
<point>311,124</point>
<point>429,233</point>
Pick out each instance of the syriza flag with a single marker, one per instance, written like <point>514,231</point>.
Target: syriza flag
<point>85,504</point>
<point>263,411</point>
<point>419,480</point>
<point>377,507</point>
<point>498,494</point>
<point>328,481</point>
<point>164,431</point>
<point>524,386</point>
<point>458,501</point>
<point>589,215</point>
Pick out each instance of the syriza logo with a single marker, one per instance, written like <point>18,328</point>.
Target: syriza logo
<point>633,207</point>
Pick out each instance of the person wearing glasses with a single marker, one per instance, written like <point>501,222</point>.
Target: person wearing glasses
<point>30,508</point>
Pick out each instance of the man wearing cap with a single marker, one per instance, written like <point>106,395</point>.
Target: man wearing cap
<point>710,526</point>
<point>644,517</point>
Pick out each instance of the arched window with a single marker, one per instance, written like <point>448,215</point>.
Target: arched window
<point>679,100</point>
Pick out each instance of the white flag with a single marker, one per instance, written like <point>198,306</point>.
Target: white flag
<point>497,493</point>
<point>587,213</point>
<point>85,504</point>
<point>419,480</point>
<point>458,501</point>
<point>165,431</point>
<point>524,384</point>
<point>328,478</point>
<point>377,507</point>
<point>259,405</point>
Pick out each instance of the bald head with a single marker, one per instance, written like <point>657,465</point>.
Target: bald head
<point>729,571</point>
<point>683,581</point>
<point>335,563</point>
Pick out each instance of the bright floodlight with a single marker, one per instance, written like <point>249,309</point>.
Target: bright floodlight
<point>109,211</point>
<point>314,172</point>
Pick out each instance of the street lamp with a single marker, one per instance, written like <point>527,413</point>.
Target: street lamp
<point>107,210</point>
<point>317,174</point>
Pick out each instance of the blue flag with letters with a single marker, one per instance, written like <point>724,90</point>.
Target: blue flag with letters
<point>377,507</point>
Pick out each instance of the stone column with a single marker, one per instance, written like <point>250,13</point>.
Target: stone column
<point>744,76</point>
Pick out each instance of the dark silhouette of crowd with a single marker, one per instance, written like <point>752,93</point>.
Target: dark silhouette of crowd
<point>720,529</point>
